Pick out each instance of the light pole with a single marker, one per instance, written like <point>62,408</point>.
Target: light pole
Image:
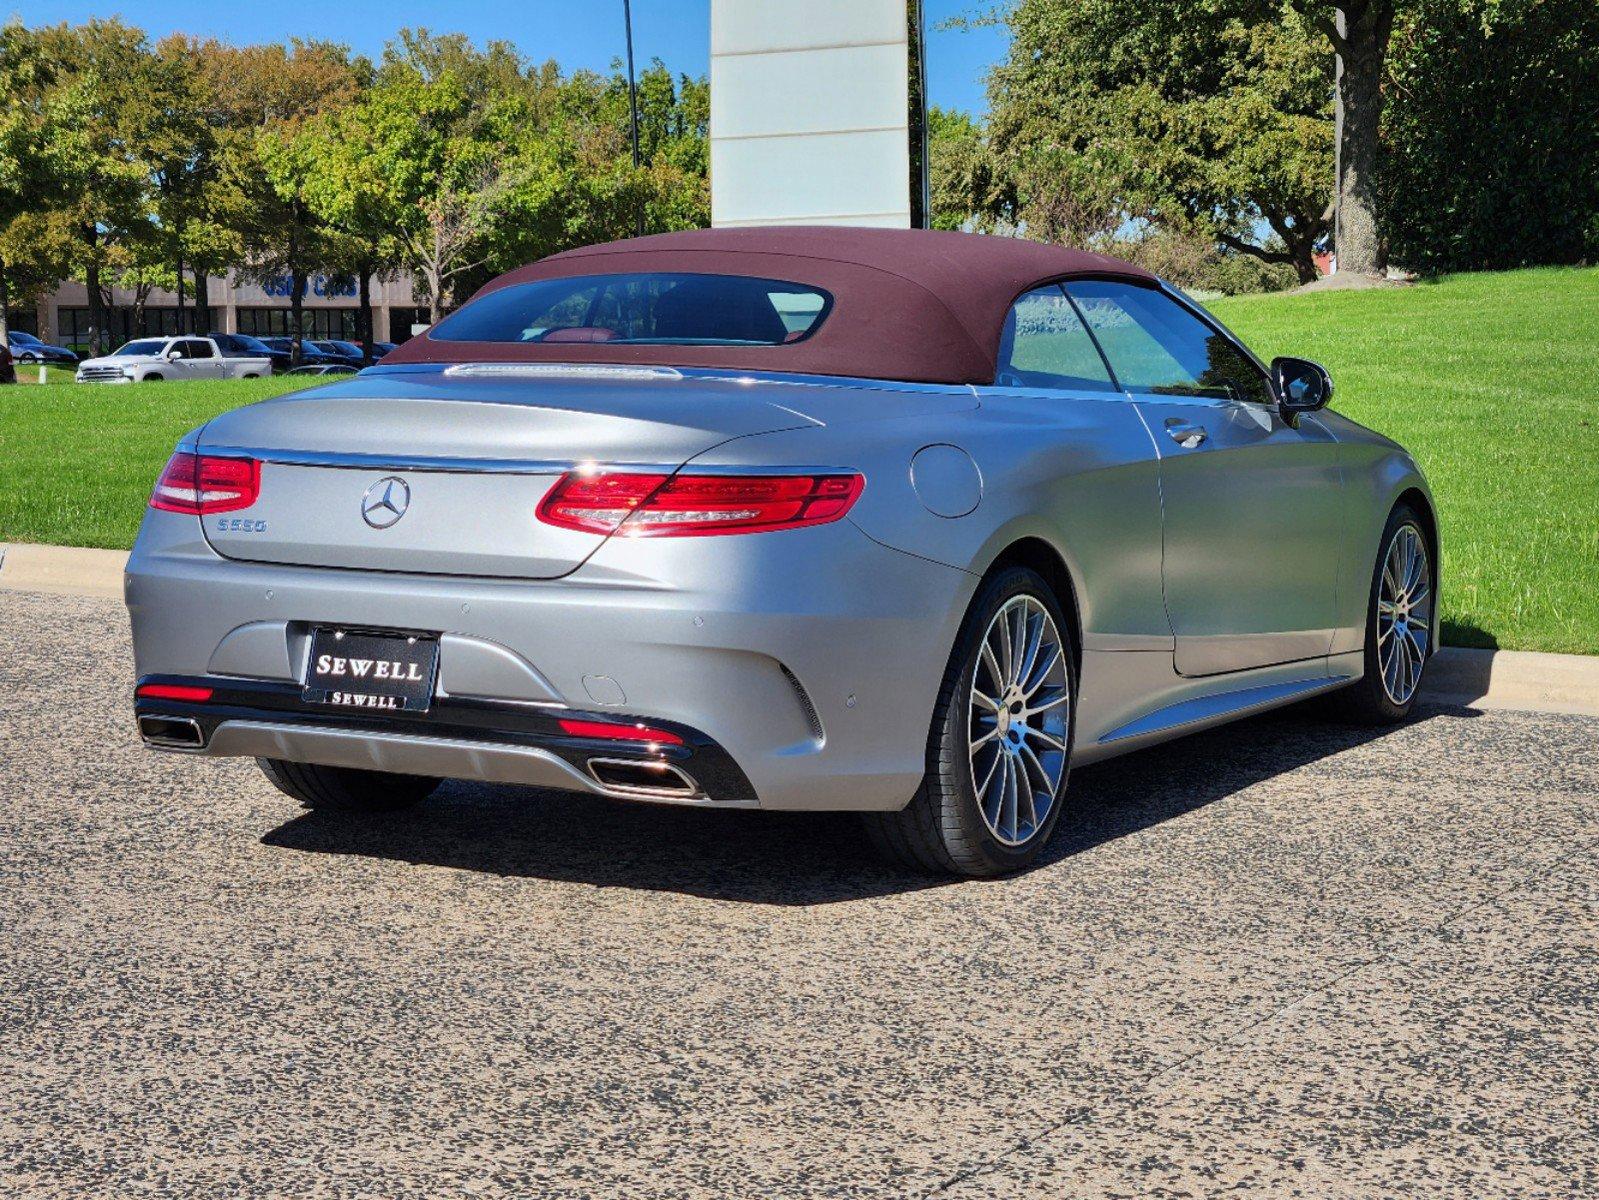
<point>632,103</point>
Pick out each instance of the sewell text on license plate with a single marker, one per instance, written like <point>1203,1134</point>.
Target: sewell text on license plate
<point>380,672</point>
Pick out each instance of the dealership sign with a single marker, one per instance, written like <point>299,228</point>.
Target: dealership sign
<point>326,286</point>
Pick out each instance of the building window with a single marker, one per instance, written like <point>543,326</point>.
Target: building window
<point>72,325</point>
<point>316,323</point>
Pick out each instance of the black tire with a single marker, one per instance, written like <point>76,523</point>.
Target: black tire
<point>343,789</point>
<point>153,379</point>
<point>1367,702</point>
<point>942,830</point>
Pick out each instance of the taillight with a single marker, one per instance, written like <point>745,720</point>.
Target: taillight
<point>174,691</point>
<point>696,505</point>
<point>616,731</point>
<point>207,483</point>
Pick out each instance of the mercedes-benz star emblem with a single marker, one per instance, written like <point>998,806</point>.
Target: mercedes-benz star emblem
<point>385,502</point>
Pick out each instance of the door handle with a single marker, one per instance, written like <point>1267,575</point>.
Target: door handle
<point>1187,435</point>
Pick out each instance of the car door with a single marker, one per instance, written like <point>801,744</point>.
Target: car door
<point>1061,444</point>
<point>202,360</point>
<point>1251,505</point>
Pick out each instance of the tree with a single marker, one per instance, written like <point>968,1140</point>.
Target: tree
<point>1359,32</point>
<point>1210,119</point>
<point>1454,199</point>
<point>960,172</point>
<point>263,96</point>
<point>99,94</point>
<point>25,136</point>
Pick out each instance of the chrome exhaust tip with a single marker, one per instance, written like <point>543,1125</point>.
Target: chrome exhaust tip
<point>640,777</point>
<point>171,733</point>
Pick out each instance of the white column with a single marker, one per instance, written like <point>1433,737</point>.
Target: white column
<point>809,113</point>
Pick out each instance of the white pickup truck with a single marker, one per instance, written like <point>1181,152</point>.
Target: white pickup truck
<point>151,359</point>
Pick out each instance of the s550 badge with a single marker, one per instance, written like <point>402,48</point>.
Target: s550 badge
<point>240,525</point>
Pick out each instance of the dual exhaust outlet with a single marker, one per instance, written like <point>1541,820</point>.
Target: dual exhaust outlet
<point>172,733</point>
<point>642,777</point>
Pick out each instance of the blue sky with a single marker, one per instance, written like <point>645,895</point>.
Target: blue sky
<point>583,34</point>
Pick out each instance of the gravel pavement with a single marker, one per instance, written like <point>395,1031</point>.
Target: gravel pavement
<point>1285,959</point>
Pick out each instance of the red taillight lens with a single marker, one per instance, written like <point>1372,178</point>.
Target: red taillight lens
<point>618,732</point>
<point>207,483</point>
<point>174,691</point>
<point>696,505</point>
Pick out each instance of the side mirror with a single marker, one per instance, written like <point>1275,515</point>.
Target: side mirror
<point>1302,386</point>
<point>174,355</point>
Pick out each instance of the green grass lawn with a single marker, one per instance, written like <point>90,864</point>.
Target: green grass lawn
<point>1490,381</point>
<point>1487,378</point>
<point>77,460</point>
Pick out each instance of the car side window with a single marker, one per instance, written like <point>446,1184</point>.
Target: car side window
<point>193,349</point>
<point>1045,345</point>
<point>1157,346</point>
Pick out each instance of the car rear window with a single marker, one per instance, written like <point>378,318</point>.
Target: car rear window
<point>646,308</point>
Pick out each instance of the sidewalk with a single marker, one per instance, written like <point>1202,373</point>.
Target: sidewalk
<point>1509,679</point>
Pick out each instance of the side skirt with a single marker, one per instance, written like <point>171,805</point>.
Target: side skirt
<point>1192,713</point>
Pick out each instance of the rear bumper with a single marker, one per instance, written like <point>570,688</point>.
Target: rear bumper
<point>809,659</point>
<point>457,739</point>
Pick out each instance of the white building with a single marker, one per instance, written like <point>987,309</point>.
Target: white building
<point>330,306</point>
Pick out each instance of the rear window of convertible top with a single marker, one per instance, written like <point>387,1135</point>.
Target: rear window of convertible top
<point>645,308</point>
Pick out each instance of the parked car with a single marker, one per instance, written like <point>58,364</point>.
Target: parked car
<point>347,353</point>
<point>28,350</point>
<point>242,345</point>
<point>383,348</point>
<point>8,372</point>
<point>904,522</point>
<point>309,354</point>
<point>151,360</point>
<point>324,369</point>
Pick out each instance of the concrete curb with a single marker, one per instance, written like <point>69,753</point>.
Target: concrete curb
<point>1512,679</point>
<point>63,570</point>
<point>1516,679</point>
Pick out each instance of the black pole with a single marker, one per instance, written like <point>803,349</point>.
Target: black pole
<point>632,100</point>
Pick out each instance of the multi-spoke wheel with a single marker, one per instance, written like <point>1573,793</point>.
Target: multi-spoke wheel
<point>1000,747</point>
<point>1400,625</point>
<point>1019,716</point>
<point>1404,614</point>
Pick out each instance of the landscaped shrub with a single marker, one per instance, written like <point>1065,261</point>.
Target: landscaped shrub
<point>1491,132</point>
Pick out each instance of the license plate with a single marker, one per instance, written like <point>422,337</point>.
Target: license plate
<point>381,672</point>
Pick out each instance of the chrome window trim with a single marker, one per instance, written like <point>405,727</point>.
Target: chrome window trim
<point>490,466</point>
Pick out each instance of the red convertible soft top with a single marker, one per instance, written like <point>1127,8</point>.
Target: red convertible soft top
<point>908,304</point>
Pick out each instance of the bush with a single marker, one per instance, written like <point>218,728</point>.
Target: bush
<point>1491,135</point>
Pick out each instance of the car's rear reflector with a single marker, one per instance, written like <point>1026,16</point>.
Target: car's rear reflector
<point>643,505</point>
<point>207,483</point>
<point>617,732</point>
<point>173,691</point>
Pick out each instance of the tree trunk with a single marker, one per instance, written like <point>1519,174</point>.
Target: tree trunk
<point>1304,259</point>
<point>181,328</point>
<point>202,301</point>
<point>365,318</point>
<point>5,306</point>
<point>296,311</point>
<point>1362,43</point>
<point>435,284</point>
<point>91,281</point>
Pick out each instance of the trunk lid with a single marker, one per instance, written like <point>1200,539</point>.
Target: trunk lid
<point>441,472</point>
<point>464,454</point>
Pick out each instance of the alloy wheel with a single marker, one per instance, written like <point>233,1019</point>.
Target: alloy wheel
<point>1019,720</point>
<point>1404,614</point>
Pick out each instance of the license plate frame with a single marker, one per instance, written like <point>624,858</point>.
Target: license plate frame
<point>341,670</point>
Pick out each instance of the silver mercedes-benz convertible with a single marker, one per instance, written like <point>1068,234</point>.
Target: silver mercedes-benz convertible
<point>801,518</point>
